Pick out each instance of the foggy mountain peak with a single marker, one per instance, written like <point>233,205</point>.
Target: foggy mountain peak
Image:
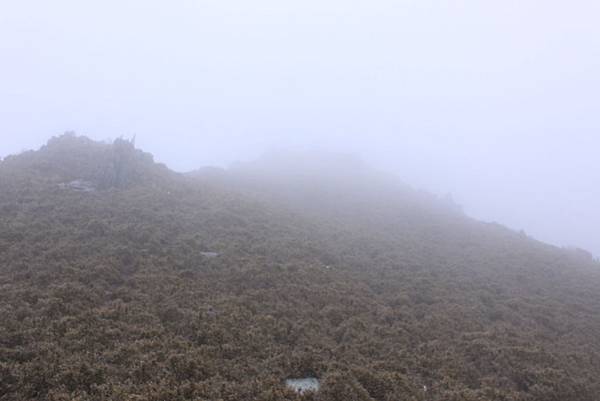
<point>155,267</point>
<point>228,282</point>
<point>324,181</point>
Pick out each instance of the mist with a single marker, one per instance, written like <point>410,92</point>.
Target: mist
<point>495,103</point>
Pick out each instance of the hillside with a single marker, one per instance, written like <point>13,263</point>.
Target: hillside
<point>122,280</point>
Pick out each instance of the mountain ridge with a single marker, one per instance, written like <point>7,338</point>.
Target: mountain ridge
<point>110,295</point>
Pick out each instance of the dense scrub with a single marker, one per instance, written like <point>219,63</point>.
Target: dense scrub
<point>381,292</point>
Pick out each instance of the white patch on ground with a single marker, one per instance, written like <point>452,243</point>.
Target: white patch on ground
<point>302,385</point>
<point>209,254</point>
<point>78,185</point>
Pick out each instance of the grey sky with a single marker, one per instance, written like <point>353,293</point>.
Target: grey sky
<point>496,102</point>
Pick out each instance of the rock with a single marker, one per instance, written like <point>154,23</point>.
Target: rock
<point>303,385</point>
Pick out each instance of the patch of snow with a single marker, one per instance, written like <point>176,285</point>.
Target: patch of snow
<point>78,185</point>
<point>302,385</point>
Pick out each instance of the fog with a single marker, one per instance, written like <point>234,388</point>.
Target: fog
<point>496,103</point>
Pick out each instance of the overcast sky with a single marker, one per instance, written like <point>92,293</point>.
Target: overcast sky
<point>496,102</point>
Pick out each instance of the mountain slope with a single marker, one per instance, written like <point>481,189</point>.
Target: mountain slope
<point>328,270</point>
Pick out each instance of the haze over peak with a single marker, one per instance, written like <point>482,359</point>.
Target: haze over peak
<point>524,191</point>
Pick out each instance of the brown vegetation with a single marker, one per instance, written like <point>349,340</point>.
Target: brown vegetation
<point>106,295</point>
